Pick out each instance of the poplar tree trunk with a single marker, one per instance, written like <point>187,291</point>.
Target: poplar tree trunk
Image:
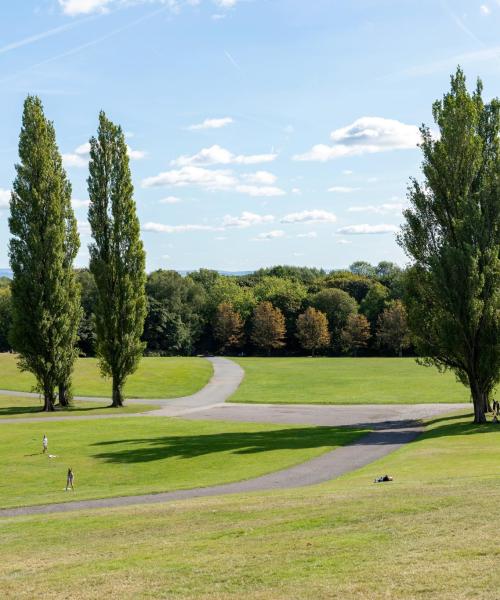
<point>48,398</point>
<point>478,399</point>
<point>117,393</point>
<point>64,395</point>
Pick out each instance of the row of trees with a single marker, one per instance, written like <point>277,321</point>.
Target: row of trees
<point>268,329</point>
<point>451,291</point>
<point>45,304</point>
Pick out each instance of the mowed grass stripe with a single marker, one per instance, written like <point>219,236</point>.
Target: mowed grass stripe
<point>122,457</point>
<point>429,534</point>
<point>156,377</point>
<point>345,381</point>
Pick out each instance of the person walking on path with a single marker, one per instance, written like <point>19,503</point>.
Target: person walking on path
<point>69,479</point>
<point>45,444</point>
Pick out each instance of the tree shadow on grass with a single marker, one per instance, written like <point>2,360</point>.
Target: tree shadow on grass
<point>241,443</point>
<point>7,411</point>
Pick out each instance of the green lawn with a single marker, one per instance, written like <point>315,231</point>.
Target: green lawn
<point>15,407</point>
<point>345,381</point>
<point>170,377</point>
<point>430,534</point>
<point>141,455</point>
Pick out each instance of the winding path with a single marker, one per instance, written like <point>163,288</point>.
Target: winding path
<point>392,426</point>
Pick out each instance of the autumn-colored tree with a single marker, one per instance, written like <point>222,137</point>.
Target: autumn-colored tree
<point>392,328</point>
<point>268,329</point>
<point>356,333</point>
<point>227,327</point>
<point>312,330</point>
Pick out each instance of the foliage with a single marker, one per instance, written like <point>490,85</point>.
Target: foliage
<point>228,327</point>
<point>5,318</point>
<point>452,235</point>
<point>392,328</point>
<point>374,302</point>
<point>117,258</point>
<point>268,327</point>
<point>165,332</point>
<point>45,295</point>
<point>337,306</point>
<point>356,333</point>
<point>312,330</point>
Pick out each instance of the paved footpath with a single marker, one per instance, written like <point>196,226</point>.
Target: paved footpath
<point>393,425</point>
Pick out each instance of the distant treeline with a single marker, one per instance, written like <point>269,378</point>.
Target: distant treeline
<point>285,310</point>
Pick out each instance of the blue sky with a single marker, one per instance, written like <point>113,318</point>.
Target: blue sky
<point>261,132</point>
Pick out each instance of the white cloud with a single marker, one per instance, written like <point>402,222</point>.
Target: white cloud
<point>343,242</point>
<point>212,124</point>
<point>367,229</point>
<point>485,9</point>
<point>210,179</point>
<point>161,228</point>
<point>225,3</point>
<point>297,191</point>
<point>81,155</point>
<point>79,203</point>
<point>136,154</point>
<point>342,189</point>
<point>216,155</point>
<point>83,7</point>
<point>170,200</point>
<point>367,135</point>
<point>259,191</point>
<point>310,216</point>
<point>270,235</point>
<point>247,219</point>
<point>347,172</point>
<point>83,227</point>
<point>74,160</point>
<point>260,177</point>
<point>309,235</point>
<point>4,198</point>
<point>380,209</point>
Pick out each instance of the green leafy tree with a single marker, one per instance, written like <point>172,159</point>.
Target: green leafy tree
<point>117,257</point>
<point>356,333</point>
<point>363,268</point>
<point>312,330</point>
<point>375,302</point>
<point>452,235</point>
<point>356,286</point>
<point>45,295</point>
<point>5,318</point>
<point>392,328</point>
<point>228,327</point>
<point>268,327</point>
<point>337,306</point>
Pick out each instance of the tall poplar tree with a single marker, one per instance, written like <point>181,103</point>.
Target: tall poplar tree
<point>452,235</point>
<point>117,258</point>
<point>44,243</point>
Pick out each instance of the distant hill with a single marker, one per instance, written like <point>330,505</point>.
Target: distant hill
<point>8,273</point>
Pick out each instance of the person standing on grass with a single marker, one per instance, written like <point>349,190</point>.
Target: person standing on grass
<point>69,479</point>
<point>45,444</point>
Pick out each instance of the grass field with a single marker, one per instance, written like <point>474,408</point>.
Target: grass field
<point>15,407</point>
<point>155,377</point>
<point>134,456</point>
<point>432,533</point>
<point>345,381</point>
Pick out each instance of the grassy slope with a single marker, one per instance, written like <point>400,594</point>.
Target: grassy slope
<point>155,377</point>
<point>345,381</point>
<point>134,456</point>
<point>15,407</point>
<point>432,533</point>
